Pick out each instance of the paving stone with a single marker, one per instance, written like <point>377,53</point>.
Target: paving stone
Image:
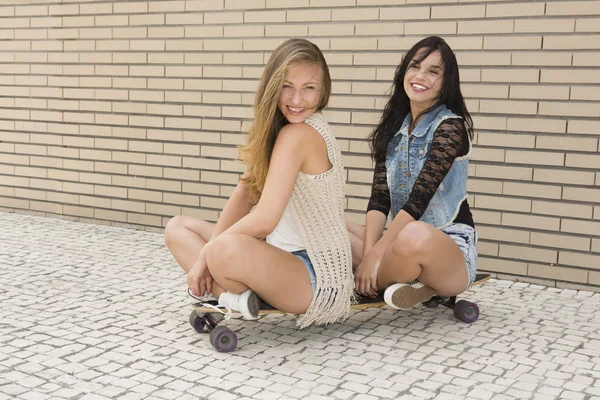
<point>110,322</point>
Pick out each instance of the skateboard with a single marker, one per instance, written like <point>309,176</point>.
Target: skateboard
<point>205,319</point>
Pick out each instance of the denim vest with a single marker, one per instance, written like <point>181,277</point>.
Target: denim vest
<point>405,159</point>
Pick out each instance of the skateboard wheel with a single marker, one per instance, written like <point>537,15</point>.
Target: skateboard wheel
<point>198,323</point>
<point>223,339</point>
<point>466,311</point>
<point>431,303</point>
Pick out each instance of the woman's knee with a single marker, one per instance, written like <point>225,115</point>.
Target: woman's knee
<point>174,225</point>
<point>221,252</point>
<point>412,240</point>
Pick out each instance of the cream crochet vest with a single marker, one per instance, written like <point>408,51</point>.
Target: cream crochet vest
<point>317,206</point>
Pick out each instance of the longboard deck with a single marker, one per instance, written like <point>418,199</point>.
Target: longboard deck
<point>364,302</point>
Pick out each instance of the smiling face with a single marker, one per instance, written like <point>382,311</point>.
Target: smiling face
<point>423,80</point>
<point>301,92</point>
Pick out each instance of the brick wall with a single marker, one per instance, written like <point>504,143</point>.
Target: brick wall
<point>130,112</point>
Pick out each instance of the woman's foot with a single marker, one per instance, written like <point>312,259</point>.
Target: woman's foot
<point>247,303</point>
<point>404,295</point>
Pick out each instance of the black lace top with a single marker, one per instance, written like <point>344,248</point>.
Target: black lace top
<point>449,142</point>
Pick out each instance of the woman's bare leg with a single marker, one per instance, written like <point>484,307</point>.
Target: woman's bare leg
<point>423,252</point>
<point>238,262</point>
<point>185,236</point>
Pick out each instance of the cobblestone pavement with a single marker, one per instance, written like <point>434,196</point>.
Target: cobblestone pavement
<point>93,312</point>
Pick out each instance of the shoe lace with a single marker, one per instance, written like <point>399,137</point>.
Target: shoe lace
<point>227,314</point>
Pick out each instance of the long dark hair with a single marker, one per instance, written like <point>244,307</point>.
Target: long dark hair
<point>398,106</point>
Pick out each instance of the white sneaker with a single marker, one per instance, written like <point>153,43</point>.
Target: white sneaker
<point>247,303</point>
<point>403,296</point>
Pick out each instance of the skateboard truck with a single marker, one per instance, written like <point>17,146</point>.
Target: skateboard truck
<point>463,310</point>
<point>221,337</point>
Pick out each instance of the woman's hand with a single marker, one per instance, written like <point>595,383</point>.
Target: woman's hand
<point>365,276</point>
<point>199,278</point>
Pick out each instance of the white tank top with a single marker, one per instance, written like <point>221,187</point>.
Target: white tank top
<point>286,235</point>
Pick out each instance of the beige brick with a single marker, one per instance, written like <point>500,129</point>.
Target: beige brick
<point>110,215</point>
<point>563,176</point>
<point>583,161</point>
<point>222,72</point>
<point>166,32</point>
<point>259,30</point>
<point>205,58</point>
<point>499,265</point>
<point>63,9</point>
<point>130,7</point>
<point>204,5</point>
<point>113,119</point>
<point>339,29</point>
<point>581,194</point>
<point>506,140</point>
<point>567,143</point>
<point>578,109</point>
<point>483,186</point>
<point>503,234</point>
<point>597,212</point>
<point>584,93</point>
<point>579,260</point>
<point>167,83</point>
<point>424,28</point>
<point>353,14</point>
<point>535,157</point>
<point>483,58</point>
<point>543,25</point>
<point>200,188</point>
<point>580,227</point>
<point>513,42</point>
<point>165,109</point>
<point>203,32</point>
<point>502,203</point>
<point>596,245</point>
<point>487,249</point>
<point>163,160</point>
<point>147,70</point>
<point>574,42</point>
<point>101,106</point>
<point>539,92</point>
<point>508,107</point>
<point>584,127</point>
<point>312,15</point>
<point>181,174</point>
<point>514,9</point>
<point>560,241</point>
<point>545,125</point>
<point>183,97</point>
<point>182,199</point>
<point>457,12</point>
<point>147,45</point>
<point>183,123</point>
<point>515,75</point>
<point>562,209</point>
<point>528,253</point>
<point>264,16</point>
<point>138,120</point>
<point>536,58</point>
<point>558,273</point>
<point>587,25</point>
<point>129,181</point>
<point>531,221</point>
<point>224,18</point>
<point>489,27</point>
<point>145,170</point>
<point>184,71</point>
<point>573,8</point>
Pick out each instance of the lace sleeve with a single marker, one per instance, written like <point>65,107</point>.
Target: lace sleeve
<point>449,141</point>
<point>380,192</point>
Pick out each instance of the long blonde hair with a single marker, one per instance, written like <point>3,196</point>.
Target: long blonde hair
<point>268,119</point>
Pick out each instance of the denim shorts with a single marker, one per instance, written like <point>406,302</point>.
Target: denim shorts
<point>303,256</point>
<point>466,239</point>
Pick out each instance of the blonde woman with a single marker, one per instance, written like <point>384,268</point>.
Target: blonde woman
<point>291,194</point>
